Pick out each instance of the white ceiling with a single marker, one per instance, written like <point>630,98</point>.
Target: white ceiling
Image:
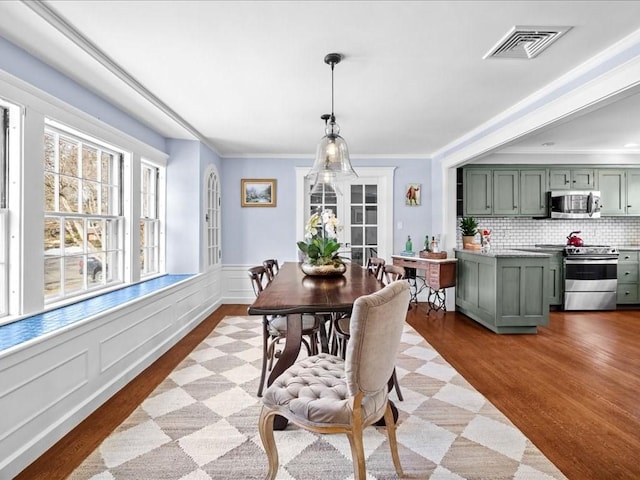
<point>248,77</point>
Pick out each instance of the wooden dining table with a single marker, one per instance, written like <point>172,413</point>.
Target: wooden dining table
<point>293,293</point>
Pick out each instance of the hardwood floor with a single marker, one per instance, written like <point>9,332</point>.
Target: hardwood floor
<point>572,388</point>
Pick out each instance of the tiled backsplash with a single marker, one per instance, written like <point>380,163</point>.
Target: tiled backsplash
<point>509,232</point>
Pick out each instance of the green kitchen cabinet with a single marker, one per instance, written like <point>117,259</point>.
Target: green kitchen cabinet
<point>572,179</point>
<point>506,293</point>
<point>559,179</point>
<point>506,192</point>
<point>633,192</point>
<point>628,277</point>
<point>478,191</point>
<point>612,185</point>
<point>556,279</point>
<point>533,192</point>
<point>519,192</point>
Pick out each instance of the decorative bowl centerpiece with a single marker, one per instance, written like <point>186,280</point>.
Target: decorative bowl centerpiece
<point>320,247</point>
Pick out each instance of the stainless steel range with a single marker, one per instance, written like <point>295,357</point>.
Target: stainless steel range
<point>590,277</point>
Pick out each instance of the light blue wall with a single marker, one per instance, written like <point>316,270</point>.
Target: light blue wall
<point>188,161</point>
<point>252,234</point>
<point>249,235</point>
<point>20,64</point>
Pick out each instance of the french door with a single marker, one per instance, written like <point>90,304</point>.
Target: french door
<point>364,207</point>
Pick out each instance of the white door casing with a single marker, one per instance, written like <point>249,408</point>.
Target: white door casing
<point>382,177</point>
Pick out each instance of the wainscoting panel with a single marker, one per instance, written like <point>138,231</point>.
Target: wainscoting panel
<point>50,384</point>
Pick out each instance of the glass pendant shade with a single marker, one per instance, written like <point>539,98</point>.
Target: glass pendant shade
<point>332,163</point>
<point>332,159</point>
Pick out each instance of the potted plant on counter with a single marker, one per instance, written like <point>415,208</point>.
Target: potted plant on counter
<point>468,227</point>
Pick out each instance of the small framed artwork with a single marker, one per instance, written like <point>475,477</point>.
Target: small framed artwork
<point>412,194</point>
<point>258,192</point>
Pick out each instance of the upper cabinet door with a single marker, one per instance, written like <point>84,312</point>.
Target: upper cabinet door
<point>583,179</point>
<point>478,192</point>
<point>533,192</point>
<point>506,192</point>
<point>613,192</point>
<point>559,179</point>
<point>572,179</point>
<point>633,192</point>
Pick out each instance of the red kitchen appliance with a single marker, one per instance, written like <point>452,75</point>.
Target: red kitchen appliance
<point>573,240</point>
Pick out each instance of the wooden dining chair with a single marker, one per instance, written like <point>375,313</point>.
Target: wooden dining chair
<point>272,268</point>
<point>374,265</point>
<point>326,394</point>
<point>274,328</point>
<point>391,273</point>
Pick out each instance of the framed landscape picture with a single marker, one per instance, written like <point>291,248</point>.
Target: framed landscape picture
<point>258,192</point>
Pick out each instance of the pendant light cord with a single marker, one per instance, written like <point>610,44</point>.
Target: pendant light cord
<point>333,117</point>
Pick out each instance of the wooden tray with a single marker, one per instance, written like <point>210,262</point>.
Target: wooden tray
<point>433,255</point>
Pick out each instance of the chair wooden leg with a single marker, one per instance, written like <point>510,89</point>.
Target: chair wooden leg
<point>265,427</point>
<point>357,453</point>
<point>393,443</point>
<point>396,385</point>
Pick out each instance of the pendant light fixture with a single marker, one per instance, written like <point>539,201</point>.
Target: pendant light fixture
<point>332,162</point>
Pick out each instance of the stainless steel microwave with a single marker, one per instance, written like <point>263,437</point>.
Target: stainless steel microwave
<point>574,204</point>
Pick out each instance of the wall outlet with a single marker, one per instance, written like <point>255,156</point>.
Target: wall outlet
<point>399,225</point>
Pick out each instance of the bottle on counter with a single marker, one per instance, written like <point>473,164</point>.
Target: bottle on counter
<point>435,248</point>
<point>408,246</point>
<point>426,243</point>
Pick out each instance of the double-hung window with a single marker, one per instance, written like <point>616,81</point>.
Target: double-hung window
<point>149,220</point>
<point>83,221</point>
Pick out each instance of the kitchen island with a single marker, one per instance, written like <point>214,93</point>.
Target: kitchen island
<point>506,291</point>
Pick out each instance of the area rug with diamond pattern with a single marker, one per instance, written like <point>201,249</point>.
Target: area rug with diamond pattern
<point>202,423</point>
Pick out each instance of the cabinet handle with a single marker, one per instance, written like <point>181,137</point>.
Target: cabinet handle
<point>626,273</point>
<point>629,206</point>
<point>567,181</point>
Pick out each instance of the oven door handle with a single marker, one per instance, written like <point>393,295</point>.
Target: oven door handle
<point>588,259</point>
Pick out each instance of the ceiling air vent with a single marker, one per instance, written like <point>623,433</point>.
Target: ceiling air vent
<point>525,42</point>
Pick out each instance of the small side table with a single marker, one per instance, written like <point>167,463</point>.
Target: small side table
<point>439,274</point>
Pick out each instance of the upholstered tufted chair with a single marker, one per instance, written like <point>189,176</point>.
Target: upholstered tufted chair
<point>388,273</point>
<point>326,394</point>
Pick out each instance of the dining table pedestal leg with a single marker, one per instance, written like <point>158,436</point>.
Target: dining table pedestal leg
<point>287,358</point>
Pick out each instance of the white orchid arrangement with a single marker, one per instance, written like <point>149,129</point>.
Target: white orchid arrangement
<point>321,239</point>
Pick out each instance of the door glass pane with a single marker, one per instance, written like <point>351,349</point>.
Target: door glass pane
<point>370,194</point>
<point>357,256</point>
<point>371,215</point>
<point>357,217</point>
<point>371,235</point>
<point>356,193</point>
<point>356,235</point>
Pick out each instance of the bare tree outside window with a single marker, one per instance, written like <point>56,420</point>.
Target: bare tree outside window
<point>83,215</point>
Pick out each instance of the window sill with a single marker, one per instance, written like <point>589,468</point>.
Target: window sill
<point>25,329</point>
